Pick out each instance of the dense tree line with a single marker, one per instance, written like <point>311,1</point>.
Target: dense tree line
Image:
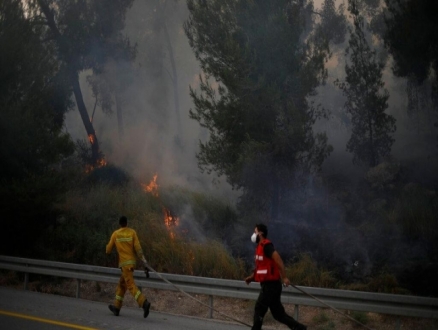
<point>262,64</point>
<point>33,100</point>
<point>259,116</point>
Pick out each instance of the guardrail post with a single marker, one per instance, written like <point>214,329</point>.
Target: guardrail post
<point>78,288</point>
<point>296,312</point>
<point>397,323</point>
<point>26,280</point>
<point>211,306</point>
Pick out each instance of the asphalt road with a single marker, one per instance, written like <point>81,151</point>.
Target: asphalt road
<point>32,310</point>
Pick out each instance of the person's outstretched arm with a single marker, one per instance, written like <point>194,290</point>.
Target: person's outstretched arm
<point>277,258</point>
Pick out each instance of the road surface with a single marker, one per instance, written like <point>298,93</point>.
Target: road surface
<point>21,310</point>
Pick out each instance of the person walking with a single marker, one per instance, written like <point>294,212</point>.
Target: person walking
<point>269,272</point>
<point>128,248</point>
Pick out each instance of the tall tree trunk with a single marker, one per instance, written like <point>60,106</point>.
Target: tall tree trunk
<point>74,80</point>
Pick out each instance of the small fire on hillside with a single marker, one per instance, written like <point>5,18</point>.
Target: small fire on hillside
<point>152,187</point>
<point>170,220</point>
<point>100,163</point>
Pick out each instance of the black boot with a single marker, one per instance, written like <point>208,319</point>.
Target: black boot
<point>300,326</point>
<point>257,323</point>
<point>113,309</point>
<point>291,322</point>
<point>146,306</point>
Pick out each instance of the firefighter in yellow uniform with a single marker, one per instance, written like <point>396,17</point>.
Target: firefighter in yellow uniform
<point>128,248</point>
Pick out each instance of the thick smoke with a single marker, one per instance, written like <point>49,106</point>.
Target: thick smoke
<point>158,141</point>
<point>155,140</point>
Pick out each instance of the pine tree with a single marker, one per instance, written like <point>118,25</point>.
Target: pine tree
<point>367,100</point>
<point>260,68</point>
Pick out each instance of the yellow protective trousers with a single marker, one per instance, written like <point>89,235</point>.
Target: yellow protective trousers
<point>126,282</point>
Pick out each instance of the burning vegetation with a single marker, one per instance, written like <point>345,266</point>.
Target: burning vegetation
<point>95,163</point>
<point>100,163</point>
<point>152,187</point>
<point>170,220</point>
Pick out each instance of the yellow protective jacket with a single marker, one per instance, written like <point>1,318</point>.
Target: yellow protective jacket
<point>127,244</point>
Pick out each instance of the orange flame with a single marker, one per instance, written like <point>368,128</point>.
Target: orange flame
<point>152,187</point>
<point>100,163</point>
<point>169,219</point>
<point>91,138</point>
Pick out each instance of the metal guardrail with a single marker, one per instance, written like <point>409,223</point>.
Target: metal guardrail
<point>400,305</point>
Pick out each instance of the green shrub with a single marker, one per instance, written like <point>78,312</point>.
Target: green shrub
<point>306,272</point>
<point>386,283</point>
<point>383,282</point>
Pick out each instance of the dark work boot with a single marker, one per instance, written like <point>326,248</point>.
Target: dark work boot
<point>146,306</point>
<point>300,326</point>
<point>113,309</point>
<point>257,323</point>
<point>291,322</point>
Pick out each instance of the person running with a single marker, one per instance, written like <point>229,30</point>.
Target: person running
<point>269,272</point>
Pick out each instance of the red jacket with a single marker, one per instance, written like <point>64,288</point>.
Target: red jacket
<point>265,268</point>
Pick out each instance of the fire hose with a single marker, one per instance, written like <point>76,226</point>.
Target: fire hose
<point>331,307</point>
<point>149,268</point>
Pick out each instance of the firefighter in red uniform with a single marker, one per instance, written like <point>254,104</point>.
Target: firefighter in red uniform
<point>269,272</point>
<point>128,247</point>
